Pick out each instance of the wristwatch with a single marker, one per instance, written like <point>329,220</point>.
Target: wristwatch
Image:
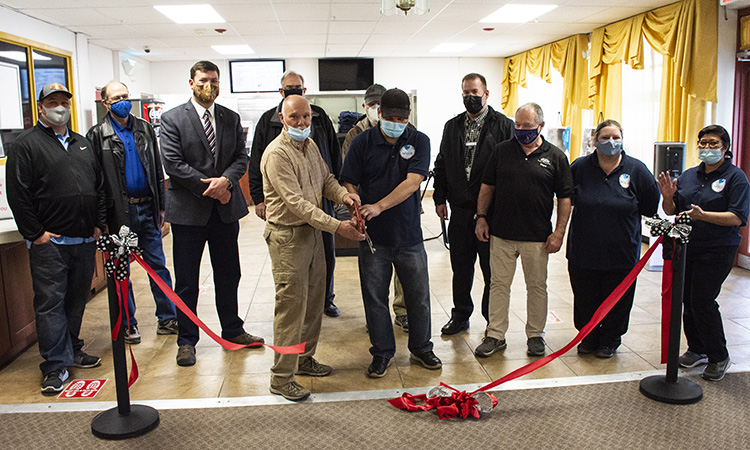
<point>480,216</point>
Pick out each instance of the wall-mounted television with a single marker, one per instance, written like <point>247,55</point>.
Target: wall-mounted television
<point>345,74</point>
<point>255,75</point>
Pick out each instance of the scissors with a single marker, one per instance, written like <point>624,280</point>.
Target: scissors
<point>361,226</point>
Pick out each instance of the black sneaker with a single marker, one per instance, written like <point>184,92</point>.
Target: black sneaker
<point>489,346</point>
<point>84,361</point>
<point>605,352</point>
<point>428,360</point>
<point>132,336</point>
<point>168,327</point>
<point>692,359</point>
<point>716,371</point>
<point>535,346</point>
<point>379,367</point>
<point>403,322</point>
<point>54,381</point>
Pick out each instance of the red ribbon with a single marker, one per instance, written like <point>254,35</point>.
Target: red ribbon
<point>408,401</point>
<point>666,307</point>
<point>459,404</point>
<point>285,350</point>
<point>121,287</point>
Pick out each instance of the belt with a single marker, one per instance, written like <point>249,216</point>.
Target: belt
<point>136,200</point>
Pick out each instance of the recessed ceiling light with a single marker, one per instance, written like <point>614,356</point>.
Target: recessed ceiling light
<point>243,49</point>
<point>451,48</point>
<point>190,13</point>
<point>517,13</point>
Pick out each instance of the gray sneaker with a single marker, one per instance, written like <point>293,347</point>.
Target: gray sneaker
<point>716,371</point>
<point>309,366</point>
<point>403,322</point>
<point>489,346</point>
<point>692,359</point>
<point>54,381</point>
<point>535,346</point>
<point>291,391</point>
<point>132,336</point>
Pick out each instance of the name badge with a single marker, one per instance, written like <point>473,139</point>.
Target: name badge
<point>407,151</point>
<point>719,185</point>
<point>471,144</point>
<point>625,181</point>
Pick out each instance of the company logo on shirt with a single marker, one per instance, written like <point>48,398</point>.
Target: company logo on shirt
<point>407,151</point>
<point>625,180</point>
<point>718,185</point>
<point>544,162</point>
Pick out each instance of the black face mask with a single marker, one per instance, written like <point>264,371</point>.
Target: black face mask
<point>473,103</point>
<point>288,92</point>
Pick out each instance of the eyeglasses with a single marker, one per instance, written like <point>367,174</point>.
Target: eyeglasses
<point>113,100</point>
<point>709,144</point>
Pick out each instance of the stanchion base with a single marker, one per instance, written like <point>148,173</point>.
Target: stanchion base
<point>110,424</point>
<point>681,392</point>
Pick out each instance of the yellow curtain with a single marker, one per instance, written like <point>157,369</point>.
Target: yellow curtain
<point>686,34</point>
<point>565,56</point>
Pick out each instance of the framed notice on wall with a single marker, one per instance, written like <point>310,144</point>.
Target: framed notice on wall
<point>11,108</point>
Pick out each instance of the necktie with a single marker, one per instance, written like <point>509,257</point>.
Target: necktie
<point>209,130</point>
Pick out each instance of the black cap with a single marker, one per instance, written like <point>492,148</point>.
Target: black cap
<point>374,93</point>
<point>51,88</point>
<point>395,103</point>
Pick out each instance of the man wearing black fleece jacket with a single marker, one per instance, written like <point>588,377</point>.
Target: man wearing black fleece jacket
<point>55,189</point>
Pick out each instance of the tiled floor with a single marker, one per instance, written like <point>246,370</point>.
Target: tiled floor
<point>344,343</point>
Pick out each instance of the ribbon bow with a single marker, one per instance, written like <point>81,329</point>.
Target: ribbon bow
<point>116,249</point>
<point>449,402</point>
<point>663,227</point>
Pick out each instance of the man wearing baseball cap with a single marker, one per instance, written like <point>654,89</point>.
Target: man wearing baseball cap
<point>370,119</point>
<point>385,166</point>
<point>55,189</point>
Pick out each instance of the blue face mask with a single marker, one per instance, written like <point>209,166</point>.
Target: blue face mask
<point>610,147</point>
<point>392,129</point>
<point>297,134</point>
<point>526,137</point>
<point>121,108</point>
<point>710,155</point>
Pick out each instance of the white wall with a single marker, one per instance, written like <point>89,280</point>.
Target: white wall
<point>437,82</point>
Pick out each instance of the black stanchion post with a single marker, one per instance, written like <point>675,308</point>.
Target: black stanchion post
<point>671,388</point>
<point>126,420</point>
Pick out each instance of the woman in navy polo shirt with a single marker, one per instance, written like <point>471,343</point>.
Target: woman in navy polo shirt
<point>716,195</point>
<point>612,192</point>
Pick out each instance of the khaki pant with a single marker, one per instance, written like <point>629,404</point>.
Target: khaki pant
<point>299,273</point>
<point>503,255</point>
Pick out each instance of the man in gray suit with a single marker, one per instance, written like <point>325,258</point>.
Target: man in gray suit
<point>203,149</point>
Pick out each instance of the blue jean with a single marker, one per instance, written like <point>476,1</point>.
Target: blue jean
<point>61,277</point>
<point>375,271</point>
<point>143,223</point>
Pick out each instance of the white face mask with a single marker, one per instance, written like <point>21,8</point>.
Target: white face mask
<point>58,116</point>
<point>372,114</point>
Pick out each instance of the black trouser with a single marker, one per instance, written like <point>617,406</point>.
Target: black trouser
<point>590,289</point>
<point>705,271</point>
<point>464,248</point>
<point>188,243</point>
<point>329,245</point>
